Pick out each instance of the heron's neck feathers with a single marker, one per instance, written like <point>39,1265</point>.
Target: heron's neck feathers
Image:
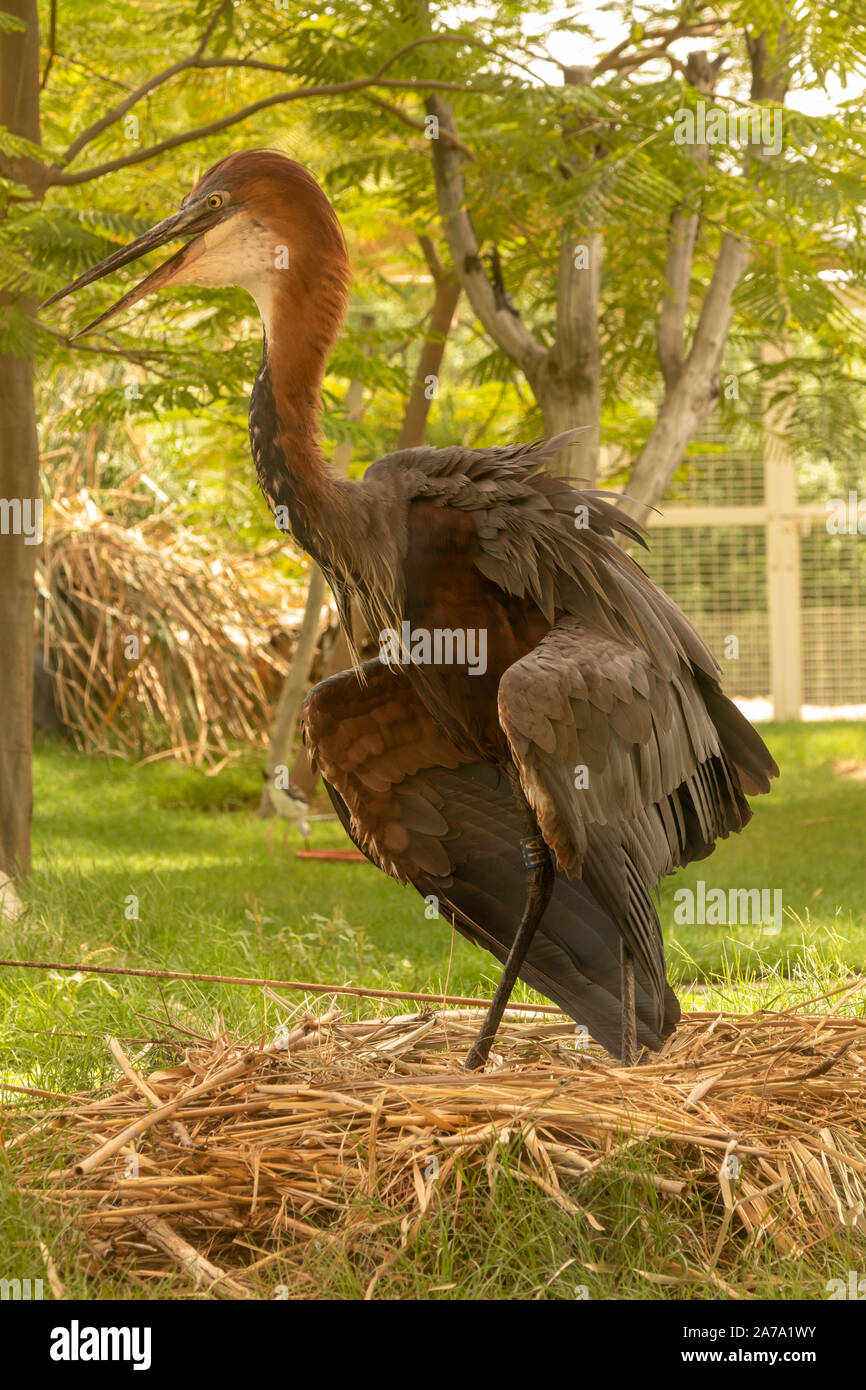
<point>284,438</point>
<point>348,529</point>
<point>306,302</point>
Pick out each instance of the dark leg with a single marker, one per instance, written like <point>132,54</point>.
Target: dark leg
<point>539,889</point>
<point>629,1018</point>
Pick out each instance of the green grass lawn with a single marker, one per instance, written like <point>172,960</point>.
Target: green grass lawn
<point>211,898</point>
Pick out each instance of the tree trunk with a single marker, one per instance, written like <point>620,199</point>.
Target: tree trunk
<point>565,378</point>
<point>339,658</point>
<point>19,488</point>
<point>447,293</point>
<point>692,377</point>
<point>297,681</point>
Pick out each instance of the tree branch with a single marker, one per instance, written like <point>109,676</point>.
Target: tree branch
<point>117,113</point>
<point>618,60</point>
<point>92,72</point>
<point>139,357</point>
<point>61,177</point>
<point>196,61</point>
<point>407,120</point>
<point>446,293</point>
<point>693,392</point>
<point>671,332</point>
<point>572,373</point>
<point>505,327</point>
<point>52,42</point>
<point>431,256</point>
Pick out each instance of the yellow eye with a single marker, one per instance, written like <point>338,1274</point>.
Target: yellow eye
<point>215,200</point>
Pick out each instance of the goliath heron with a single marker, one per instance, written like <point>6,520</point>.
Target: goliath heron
<point>594,752</point>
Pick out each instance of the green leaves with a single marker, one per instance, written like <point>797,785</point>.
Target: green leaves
<point>552,159</point>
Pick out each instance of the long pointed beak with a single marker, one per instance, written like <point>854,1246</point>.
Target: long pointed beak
<point>191,219</point>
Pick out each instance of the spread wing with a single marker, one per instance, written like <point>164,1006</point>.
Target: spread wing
<point>631,756</point>
<point>370,737</point>
<point>626,770</point>
<point>427,815</point>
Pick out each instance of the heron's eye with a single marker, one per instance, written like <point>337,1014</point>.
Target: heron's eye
<point>215,200</point>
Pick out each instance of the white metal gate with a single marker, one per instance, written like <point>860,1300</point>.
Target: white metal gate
<point>772,571</point>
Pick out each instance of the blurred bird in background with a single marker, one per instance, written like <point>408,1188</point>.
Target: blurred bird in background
<point>292,807</point>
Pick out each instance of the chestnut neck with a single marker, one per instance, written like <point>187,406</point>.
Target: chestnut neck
<point>286,402</point>
<point>352,531</point>
<point>291,471</point>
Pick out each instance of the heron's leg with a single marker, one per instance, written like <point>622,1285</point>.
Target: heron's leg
<point>629,1017</point>
<point>540,886</point>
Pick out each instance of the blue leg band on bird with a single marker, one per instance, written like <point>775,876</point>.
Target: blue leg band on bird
<point>534,850</point>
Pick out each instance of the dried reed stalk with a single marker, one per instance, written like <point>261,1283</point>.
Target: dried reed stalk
<point>344,1127</point>
<point>206,671</point>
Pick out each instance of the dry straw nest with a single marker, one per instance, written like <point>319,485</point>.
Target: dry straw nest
<point>208,655</point>
<point>228,1165</point>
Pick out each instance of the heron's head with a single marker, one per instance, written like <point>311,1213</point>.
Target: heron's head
<point>256,219</point>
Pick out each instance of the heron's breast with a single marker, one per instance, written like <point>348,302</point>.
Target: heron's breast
<point>461,631</point>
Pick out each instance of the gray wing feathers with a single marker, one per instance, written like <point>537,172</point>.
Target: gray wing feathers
<point>623,767</point>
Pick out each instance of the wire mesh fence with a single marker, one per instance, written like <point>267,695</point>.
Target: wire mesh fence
<point>716,566</point>
<point>718,576</point>
<point>833,597</point>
